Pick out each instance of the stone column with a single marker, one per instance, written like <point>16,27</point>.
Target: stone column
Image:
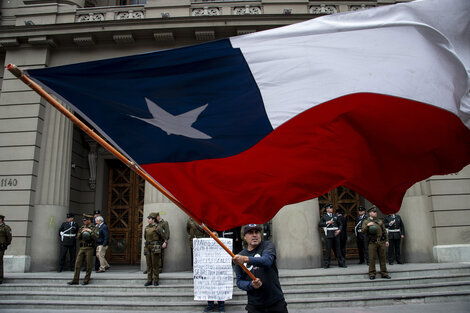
<point>53,190</point>
<point>23,116</point>
<point>177,254</point>
<point>296,236</point>
<point>416,212</point>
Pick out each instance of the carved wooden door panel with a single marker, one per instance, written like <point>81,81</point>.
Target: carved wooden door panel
<point>124,214</point>
<point>349,201</point>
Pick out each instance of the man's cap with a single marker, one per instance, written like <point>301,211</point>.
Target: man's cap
<point>372,209</point>
<point>249,227</point>
<point>361,208</point>
<point>329,206</point>
<point>87,216</point>
<point>2,216</point>
<point>97,212</point>
<point>340,211</point>
<point>153,215</point>
<point>70,215</point>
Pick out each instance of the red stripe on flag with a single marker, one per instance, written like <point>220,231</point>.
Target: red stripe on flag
<point>377,145</point>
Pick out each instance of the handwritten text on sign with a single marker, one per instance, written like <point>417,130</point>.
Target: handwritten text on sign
<point>213,275</point>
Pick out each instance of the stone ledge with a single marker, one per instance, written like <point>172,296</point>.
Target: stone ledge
<point>451,253</point>
<point>16,263</point>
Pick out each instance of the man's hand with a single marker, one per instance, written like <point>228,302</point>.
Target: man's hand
<point>387,244</point>
<point>370,224</point>
<point>86,229</point>
<point>330,222</point>
<point>256,283</point>
<point>337,232</point>
<point>164,245</point>
<point>240,259</point>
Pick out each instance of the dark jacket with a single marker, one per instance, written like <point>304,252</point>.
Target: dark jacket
<point>332,228</point>
<point>68,233</point>
<point>395,227</point>
<point>103,237</point>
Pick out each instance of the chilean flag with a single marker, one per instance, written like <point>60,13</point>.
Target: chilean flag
<point>375,100</point>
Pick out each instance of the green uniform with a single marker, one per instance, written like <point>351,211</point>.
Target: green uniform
<point>5,241</point>
<point>165,227</point>
<point>194,231</point>
<point>154,239</point>
<point>87,247</point>
<point>376,245</point>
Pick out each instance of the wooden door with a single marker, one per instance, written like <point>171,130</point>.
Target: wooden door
<point>124,214</point>
<point>349,201</point>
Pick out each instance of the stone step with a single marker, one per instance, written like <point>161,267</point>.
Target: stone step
<point>151,294</point>
<point>97,287</point>
<point>313,288</point>
<point>163,306</point>
<point>354,272</point>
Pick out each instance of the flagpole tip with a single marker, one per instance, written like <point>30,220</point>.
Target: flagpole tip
<point>14,70</point>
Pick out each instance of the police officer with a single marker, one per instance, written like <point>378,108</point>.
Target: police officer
<point>96,213</point>
<point>154,238</point>
<point>166,236</point>
<point>194,231</point>
<point>68,241</point>
<point>396,232</point>
<point>5,241</point>
<point>332,228</point>
<point>234,234</point>
<point>378,240</point>
<point>361,238</point>
<point>87,234</point>
<point>343,234</point>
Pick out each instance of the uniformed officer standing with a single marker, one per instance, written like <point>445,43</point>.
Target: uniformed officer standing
<point>361,238</point>
<point>87,234</point>
<point>332,228</point>
<point>96,213</point>
<point>396,232</point>
<point>234,234</point>
<point>68,242</point>
<point>343,235</point>
<point>5,241</point>
<point>194,231</point>
<point>378,240</point>
<point>154,238</point>
<point>166,236</point>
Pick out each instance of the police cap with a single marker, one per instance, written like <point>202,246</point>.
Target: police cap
<point>329,206</point>
<point>70,215</point>
<point>87,217</point>
<point>372,209</point>
<point>153,215</point>
<point>373,230</point>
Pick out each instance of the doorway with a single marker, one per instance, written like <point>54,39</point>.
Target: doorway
<point>349,201</point>
<point>124,213</point>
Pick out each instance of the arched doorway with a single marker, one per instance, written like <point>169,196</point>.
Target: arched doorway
<point>349,201</point>
<point>124,213</point>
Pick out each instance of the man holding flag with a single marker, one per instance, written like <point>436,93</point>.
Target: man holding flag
<point>264,293</point>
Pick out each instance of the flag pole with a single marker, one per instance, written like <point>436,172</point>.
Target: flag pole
<point>133,166</point>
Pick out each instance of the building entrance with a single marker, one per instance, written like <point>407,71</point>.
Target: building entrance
<point>349,201</point>
<point>124,213</point>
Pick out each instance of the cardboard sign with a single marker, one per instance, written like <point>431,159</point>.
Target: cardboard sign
<point>212,270</point>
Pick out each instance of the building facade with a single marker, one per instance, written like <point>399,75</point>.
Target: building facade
<point>48,167</point>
